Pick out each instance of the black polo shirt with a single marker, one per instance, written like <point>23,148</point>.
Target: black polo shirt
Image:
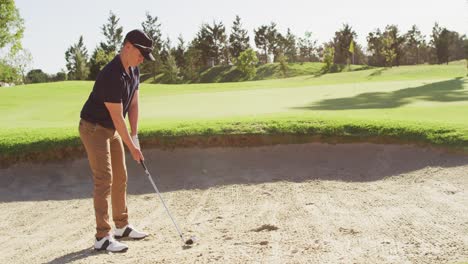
<point>112,85</point>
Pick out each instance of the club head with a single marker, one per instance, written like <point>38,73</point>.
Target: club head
<point>191,241</point>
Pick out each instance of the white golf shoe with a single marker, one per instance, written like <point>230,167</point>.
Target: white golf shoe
<point>129,232</point>
<point>110,244</point>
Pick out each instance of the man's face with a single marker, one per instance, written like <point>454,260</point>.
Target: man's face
<point>135,58</point>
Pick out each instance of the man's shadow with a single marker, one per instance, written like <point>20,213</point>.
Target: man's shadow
<point>74,256</point>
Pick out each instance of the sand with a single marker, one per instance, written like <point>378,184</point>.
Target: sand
<point>307,203</point>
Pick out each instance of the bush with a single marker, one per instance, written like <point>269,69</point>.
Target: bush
<point>283,61</point>
<point>328,58</point>
<point>37,76</point>
<point>246,63</point>
<point>60,76</point>
<point>9,74</point>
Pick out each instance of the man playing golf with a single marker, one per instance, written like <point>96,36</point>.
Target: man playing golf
<point>103,131</point>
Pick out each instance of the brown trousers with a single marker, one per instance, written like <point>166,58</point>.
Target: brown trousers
<point>106,158</point>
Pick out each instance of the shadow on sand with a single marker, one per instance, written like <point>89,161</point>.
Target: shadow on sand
<point>75,256</point>
<point>195,168</point>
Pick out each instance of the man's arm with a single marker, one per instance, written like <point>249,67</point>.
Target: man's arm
<point>115,110</point>
<point>133,115</point>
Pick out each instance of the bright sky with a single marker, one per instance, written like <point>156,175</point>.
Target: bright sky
<point>54,25</point>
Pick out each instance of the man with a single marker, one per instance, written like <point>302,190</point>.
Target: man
<point>102,130</point>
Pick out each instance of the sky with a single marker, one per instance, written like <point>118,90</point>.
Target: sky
<point>52,26</point>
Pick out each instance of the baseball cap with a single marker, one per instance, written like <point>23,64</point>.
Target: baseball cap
<point>141,41</point>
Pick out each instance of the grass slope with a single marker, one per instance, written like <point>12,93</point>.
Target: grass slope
<point>425,104</point>
<point>228,73</point>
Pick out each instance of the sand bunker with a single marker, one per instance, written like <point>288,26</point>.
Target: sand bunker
<point>309,203</point>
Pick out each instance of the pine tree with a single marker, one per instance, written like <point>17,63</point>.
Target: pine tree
<point>152,28</point>
<point>107,50</point>
<point>239,39</point>
<point>113,35</point>
<point>77,61</point>
<point>289,46</point>
<point>261,41</point>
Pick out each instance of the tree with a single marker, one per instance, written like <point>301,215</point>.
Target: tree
<point>328,58</point>
<point>425,53</point>
<point>275,41</point>
<point>201,43</point>
<point>466,55</point>
<point>165,50</point>
<point>447,45</point>
<point>11,26</point>
<point>413,44</point>
<point>283,62</point>
<point>268,39</point>
<point>12,67</point>
<point>392,32</point>
<point>238,40</point>
<point>106,50</point>
<point>193,63</point>
<point>307,48</point>
<point>113,35</point>
<point>388,50</point>
<point>77,61</point>
<point>179,52</point>
<point>359,56</point>
<point>261,41</point>
<point>37,76</point>
<point>211,41</point>
<point>289,46</point>
<point>456,46</point>
<point>374,47</point>
<point>170,70</point>
<point>246,62</point>
<point>440,41</point>
<point>20,60</point>
<point>8,73</point>
<point>98,60</point>
<point>152,28</point>
<point>59,76</point>
<point>341,43</point>
<point>217,39</point>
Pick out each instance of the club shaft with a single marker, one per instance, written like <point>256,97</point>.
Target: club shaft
<point>162,200</point>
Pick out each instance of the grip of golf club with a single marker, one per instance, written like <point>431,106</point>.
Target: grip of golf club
<point>143,164</point>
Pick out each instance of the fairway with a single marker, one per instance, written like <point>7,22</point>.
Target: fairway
<point>397,100</point>
<point>428,102</point>
<point>405,92</point>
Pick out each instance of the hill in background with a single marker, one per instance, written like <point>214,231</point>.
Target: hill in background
<point>229,73</point>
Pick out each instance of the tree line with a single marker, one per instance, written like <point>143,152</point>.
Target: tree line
<point>213,45</point>
<point>183,61</point>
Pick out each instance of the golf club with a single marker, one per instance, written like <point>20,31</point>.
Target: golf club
<point>189,241</point>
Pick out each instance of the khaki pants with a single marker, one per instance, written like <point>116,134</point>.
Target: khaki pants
<point>107,161</point>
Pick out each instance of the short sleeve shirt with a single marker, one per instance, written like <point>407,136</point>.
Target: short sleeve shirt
<point>113,85</point>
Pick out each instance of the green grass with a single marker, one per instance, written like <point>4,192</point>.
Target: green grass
<point>229,73</point>
<point>423,104</point>
<point>272,70</point>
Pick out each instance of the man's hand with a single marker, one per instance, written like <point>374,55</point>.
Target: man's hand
<point>136,141</point>
<point>115,111</point>
<point>137,155</point>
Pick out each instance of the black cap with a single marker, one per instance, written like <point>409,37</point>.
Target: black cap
<point>142,42</point>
